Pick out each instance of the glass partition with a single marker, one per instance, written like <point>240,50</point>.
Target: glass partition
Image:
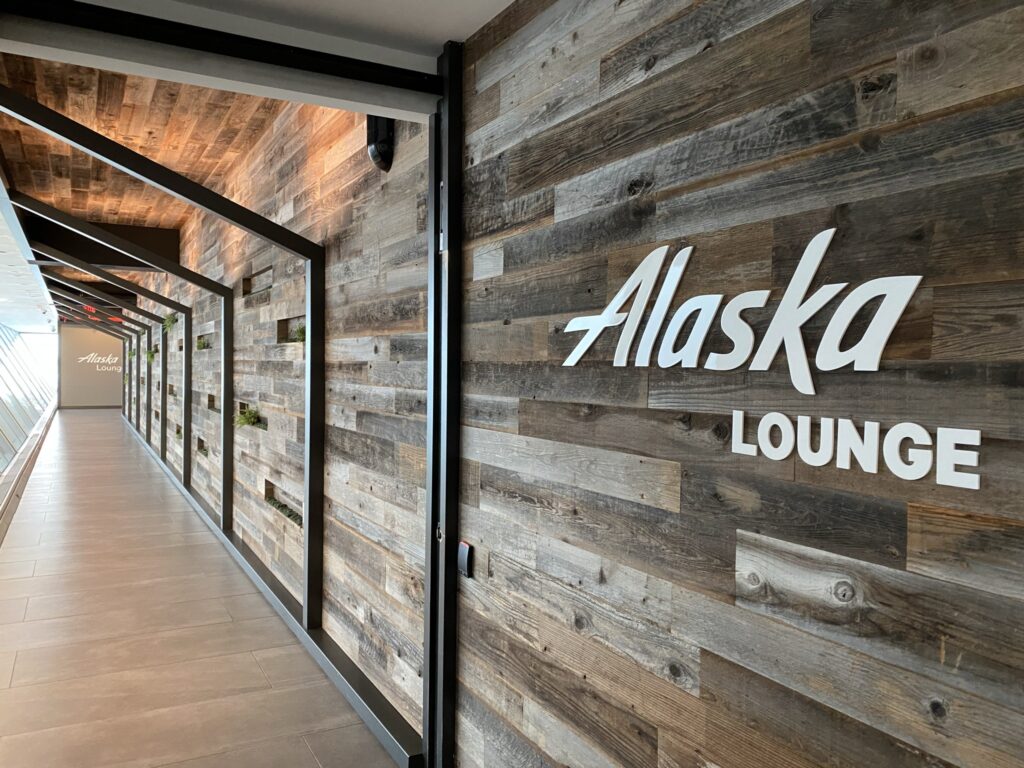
<point>27,386</point>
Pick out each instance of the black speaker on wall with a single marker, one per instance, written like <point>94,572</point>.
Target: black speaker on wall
<point>380,141</point>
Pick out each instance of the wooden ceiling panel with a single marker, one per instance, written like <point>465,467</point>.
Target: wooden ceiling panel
<point>196,131</point>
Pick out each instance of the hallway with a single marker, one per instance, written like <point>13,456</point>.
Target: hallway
<point>129,637</point>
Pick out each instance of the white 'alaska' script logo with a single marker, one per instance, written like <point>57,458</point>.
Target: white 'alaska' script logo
<point>795,308</point>
<point>93,357</point>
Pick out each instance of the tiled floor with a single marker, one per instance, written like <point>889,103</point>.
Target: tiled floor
<point>129,637</point>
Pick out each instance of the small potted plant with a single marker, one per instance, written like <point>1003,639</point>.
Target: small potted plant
<point>299,334</point>
<point>170,321</point>
<point>150,355</point>
<point>247,416</point>
<point>203,343</point>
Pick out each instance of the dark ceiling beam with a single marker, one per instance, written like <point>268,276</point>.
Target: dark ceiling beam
<point>108,239</point>
<point>212,41</point>
<point>95,326</point>
<point>101,296</point>
<point>82,304</point>
<point>97,321</point>
<point>116,292</point>
<point>161,241</point>
<point>91,36</point>
<point>155,174</point>
<point>59,257</point>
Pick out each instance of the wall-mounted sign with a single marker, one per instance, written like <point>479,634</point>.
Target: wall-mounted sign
<point>838,440</point>
<point>90,366</point>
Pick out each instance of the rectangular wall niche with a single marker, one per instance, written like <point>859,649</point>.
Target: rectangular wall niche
<point>177,431</point>
<point>291,329</point>
<point>156,415</point>
<point>211,403</point>
<point>171,391</point>
<point>204,341</point>
<point>282,502</point>
<point>258,281</point>
<point>201,446</point>
<point>261,424</point>
<point>181,345</point>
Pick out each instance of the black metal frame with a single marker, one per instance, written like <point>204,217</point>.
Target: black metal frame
<point>125,307</point>
<point>444,377</point>
<point>70,318</point>
<point>68,302</point>
<point>186,312</point>
<point>435,746</point>
<point>227,309</point>
<point>100,324</point>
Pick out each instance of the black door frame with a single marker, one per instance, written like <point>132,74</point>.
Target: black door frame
<point>435,747</point>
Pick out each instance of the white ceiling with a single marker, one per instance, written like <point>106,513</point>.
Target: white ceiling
<point>406,33</point>
<point>24,303</point>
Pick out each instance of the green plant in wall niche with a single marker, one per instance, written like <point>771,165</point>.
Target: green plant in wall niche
<point>285,510</point>
<point>247,417</point>
<point>150,356</point>
<point>177,431</point>
<point>203,343</point>
<point>131,354</point>
<point>203,450</point>
<point>299,334</point>
<point>126,378</point>
<point>170,321</point>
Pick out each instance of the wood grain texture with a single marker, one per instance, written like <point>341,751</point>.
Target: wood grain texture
<point>600,131</point>
<point>196,131</point>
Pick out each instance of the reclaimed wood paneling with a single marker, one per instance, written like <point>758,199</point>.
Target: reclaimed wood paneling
<point>196,131</point>
<point>771,613</point>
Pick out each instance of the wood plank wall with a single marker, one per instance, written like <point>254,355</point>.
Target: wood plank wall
<point>642,596</point>
<point>311,172</point>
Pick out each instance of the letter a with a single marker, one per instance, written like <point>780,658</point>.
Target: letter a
<point>793,312</point>
<point>866,353</point>
<point>641,283</point>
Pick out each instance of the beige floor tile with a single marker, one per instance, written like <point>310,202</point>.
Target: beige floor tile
<point>163,592</point>
<point>20,570</point>
<point>12,610</point>
<point>290,752</point>
<point>116,623</point>
<point>50,705</point>
<point>288,665</point>
<point>6,668</point>
<point>179,733</point>
<point>104,656</point>
<point>212,566</point>
<point>244,607</point>
<point>178,554</point>
<point>337,748</point>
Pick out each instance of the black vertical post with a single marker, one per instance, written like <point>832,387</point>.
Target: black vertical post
<point>124,378</point>
<point>313,478</point>
<point>164,352</point>
<point>186,403</point>
<point>444,229</point>
<point>227,411</point>
<point>138,381</point>
<point>149,384</point>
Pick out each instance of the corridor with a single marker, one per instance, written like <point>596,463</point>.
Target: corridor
<point>129,637</point>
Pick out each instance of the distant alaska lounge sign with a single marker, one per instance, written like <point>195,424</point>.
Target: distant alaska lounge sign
<point>840,440</point>
<point>102,362</point>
